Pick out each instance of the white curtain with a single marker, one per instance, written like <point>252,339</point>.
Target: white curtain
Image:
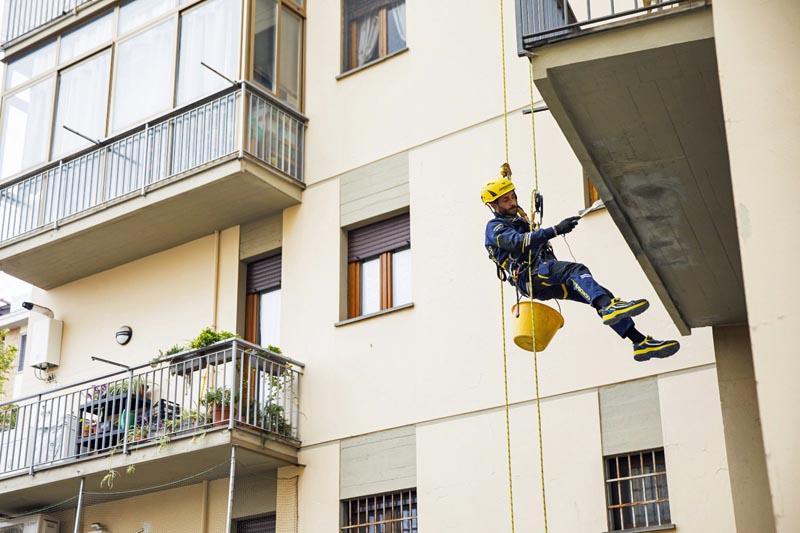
<point>399,16</point>
<point>367,38</point>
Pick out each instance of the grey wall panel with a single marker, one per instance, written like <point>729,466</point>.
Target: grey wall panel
<point>260,237</point>
<point>379,462</point>
<point>374,190</point>
<point>630,417</point>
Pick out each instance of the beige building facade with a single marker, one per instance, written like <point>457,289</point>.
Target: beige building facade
<point>346,125</point>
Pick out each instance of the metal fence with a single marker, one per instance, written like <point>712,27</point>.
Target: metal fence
<point>184,140</point>
<point>231,384</point>
<point>23,16</point>
<point>543,21</point>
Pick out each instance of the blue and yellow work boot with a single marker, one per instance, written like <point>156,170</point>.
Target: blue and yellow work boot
<point>650,347</point>
<point>618,309</point>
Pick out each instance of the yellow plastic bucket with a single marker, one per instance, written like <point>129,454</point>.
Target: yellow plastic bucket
<point>547,322</point>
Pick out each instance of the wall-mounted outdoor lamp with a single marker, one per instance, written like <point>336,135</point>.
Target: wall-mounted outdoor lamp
<point>124,334</point>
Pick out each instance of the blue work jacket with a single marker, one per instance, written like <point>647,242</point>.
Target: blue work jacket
<point>508,241</point>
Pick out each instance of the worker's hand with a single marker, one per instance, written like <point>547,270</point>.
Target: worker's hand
<point>566,225</point>
<point>505,170</point>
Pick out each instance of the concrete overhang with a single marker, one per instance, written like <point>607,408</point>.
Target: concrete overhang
<point>640,106</point>
<point>222,194</point>
<point>183,461</point>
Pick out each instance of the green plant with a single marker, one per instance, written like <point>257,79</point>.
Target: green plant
<point>109,478</point>
<point>8,354</point>
<point>218,396</point>
<point>274,420</point>
<point>8,416</point>
<point>274,349</point>
<point>162,440</point>
<point>208,336</point>
<point>137,433</point>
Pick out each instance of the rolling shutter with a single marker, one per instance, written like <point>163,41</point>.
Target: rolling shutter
<point>378,238</point>
<point>264,275</point>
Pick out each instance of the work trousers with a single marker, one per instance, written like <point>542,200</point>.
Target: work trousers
<point>564,280</point>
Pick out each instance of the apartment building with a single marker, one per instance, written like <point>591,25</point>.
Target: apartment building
<point>306,175</point>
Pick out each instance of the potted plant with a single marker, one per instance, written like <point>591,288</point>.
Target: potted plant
<point>137,433</point>
<point>218,405</point>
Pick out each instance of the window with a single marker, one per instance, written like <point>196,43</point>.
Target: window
<point>590,194</point>
<point>373,29</point>
<point>392,512</point>
<point>82,104</point>
<point>26,121</point>
<point>143,78</point>
<point>379,266</point>
<point>257,524</point>
<point>263,306</point>
<point>117,70</point>
<point>277,48</point>
<point>636,490</point>
<point>209,34</point>
<point>23,343</point>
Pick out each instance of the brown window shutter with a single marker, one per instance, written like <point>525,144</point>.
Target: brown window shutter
<point>375,239</point>
<point>251,318</point>
<point>353,290</point>
<point>264,275</point>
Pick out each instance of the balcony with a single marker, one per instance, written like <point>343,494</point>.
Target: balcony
<point>635,90</point>
<point>226,160</point>
<point>23,17</point>
<point>171,421</point>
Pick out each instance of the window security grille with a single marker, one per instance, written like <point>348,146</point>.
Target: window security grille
<point>392,512</point>
<point>636,490</point>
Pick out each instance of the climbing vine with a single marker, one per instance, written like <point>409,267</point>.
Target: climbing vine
<point>8,355</point>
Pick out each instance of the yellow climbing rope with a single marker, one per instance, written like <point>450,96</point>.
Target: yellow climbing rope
<point>530,285</point>
<point>530,289</point>
<point>502,294</point>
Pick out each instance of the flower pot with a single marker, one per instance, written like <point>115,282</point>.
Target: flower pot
<point>221,414</point>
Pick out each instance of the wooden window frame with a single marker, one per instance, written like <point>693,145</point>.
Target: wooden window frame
<point>351,43</point>
<point>354,285</point>
<point>590,194</point>
<point>251,40</point>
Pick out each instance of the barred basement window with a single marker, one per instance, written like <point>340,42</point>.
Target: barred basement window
<point>392,512</point>
<point>636,490</point>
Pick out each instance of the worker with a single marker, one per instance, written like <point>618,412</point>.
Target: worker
<point>515,249</point>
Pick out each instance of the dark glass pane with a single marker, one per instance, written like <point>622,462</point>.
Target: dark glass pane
<point>264,43</point>
<point>660,463</point>
<point>613,493</point>
<point>666,518</point>
<point>650,488</point>
<point>636,465</point>
<point>652,514</point>
<point>624,471</point>
<point>611,468</point>
<point>627,517</point>
<point>625,489</point>
<point>647,462</point>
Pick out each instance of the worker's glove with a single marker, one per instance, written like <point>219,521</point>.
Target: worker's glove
<point>566,225</point>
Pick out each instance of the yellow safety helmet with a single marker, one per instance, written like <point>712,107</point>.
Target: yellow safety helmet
<point>495,189</point>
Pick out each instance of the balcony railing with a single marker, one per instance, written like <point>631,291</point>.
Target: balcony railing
<point>231,384</point>
<point>237,120</point>
<point>542,21</point>
<point>23,16</point>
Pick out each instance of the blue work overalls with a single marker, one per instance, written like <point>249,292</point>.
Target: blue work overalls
<point>509,243</point>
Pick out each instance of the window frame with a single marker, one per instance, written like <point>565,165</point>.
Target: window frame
<point>345,511</point>
<point>386,283</point>
<point>349,35</point>
<point>252,329</point>
<point>609,482</point>
<point>174,13</point>
<point>300,12</point>
<point>590,193</point>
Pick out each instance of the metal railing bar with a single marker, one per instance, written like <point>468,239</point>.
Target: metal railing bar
<point>541,33</point>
